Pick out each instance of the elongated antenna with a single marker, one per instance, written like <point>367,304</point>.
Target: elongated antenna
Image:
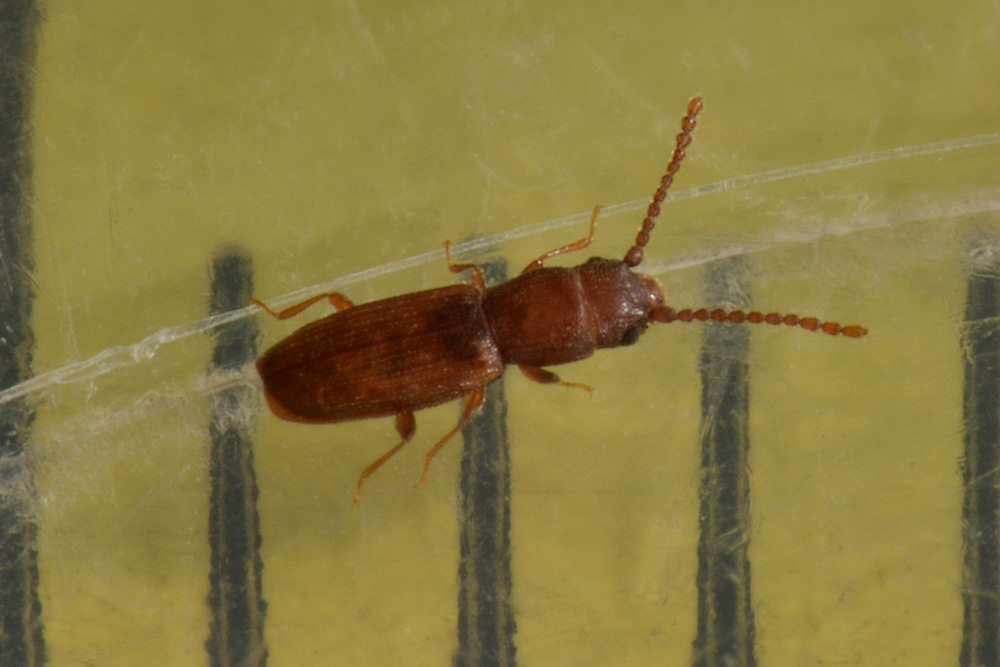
<point>634,256</point>
<point>667,314</point>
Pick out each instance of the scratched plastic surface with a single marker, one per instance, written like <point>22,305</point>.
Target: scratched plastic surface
<point>850,154</point>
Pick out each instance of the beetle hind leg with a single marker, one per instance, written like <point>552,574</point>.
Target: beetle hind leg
<point>473,402</point>
<point>542,376</point>
<point>339,301</point>
<point>406,426</point>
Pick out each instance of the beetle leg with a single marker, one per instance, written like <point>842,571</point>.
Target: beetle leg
<point>473,402</point>
<point>572,247</point>
<point>406,426</point>
<point>339,301</point>
<point>539,374</point>
<point>477,273</point>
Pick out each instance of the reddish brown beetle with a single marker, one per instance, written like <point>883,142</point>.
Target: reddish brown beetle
<point>399,355</point>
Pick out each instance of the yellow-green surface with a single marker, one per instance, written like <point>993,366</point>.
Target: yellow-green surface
<point>332,137</point>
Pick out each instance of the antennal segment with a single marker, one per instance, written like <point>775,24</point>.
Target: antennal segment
<point>634,256</point>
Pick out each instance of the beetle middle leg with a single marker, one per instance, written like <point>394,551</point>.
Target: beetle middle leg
<point>339,301</point>
<point>542,376</point>
<point>572,247</point>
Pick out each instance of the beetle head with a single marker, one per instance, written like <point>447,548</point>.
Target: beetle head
<point>619,302</point>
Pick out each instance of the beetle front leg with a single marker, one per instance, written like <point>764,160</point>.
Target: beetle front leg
<point>406,426</point>
<point>542,376</point>
<point>572,247</point>
<point>339,301</point>
<point>473,402</point>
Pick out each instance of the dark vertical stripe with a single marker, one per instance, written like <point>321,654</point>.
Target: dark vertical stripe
<point>725,616</point>
<point>236,600</point>
<point>486,624</point>
<point>981,510</point>
<point>21,639</point>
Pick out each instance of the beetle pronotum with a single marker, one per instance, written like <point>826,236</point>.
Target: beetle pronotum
<point>392,357</point>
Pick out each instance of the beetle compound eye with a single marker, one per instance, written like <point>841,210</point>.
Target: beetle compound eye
<point>632,335</point>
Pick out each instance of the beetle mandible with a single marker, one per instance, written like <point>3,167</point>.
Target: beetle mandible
<point>392,357</point>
